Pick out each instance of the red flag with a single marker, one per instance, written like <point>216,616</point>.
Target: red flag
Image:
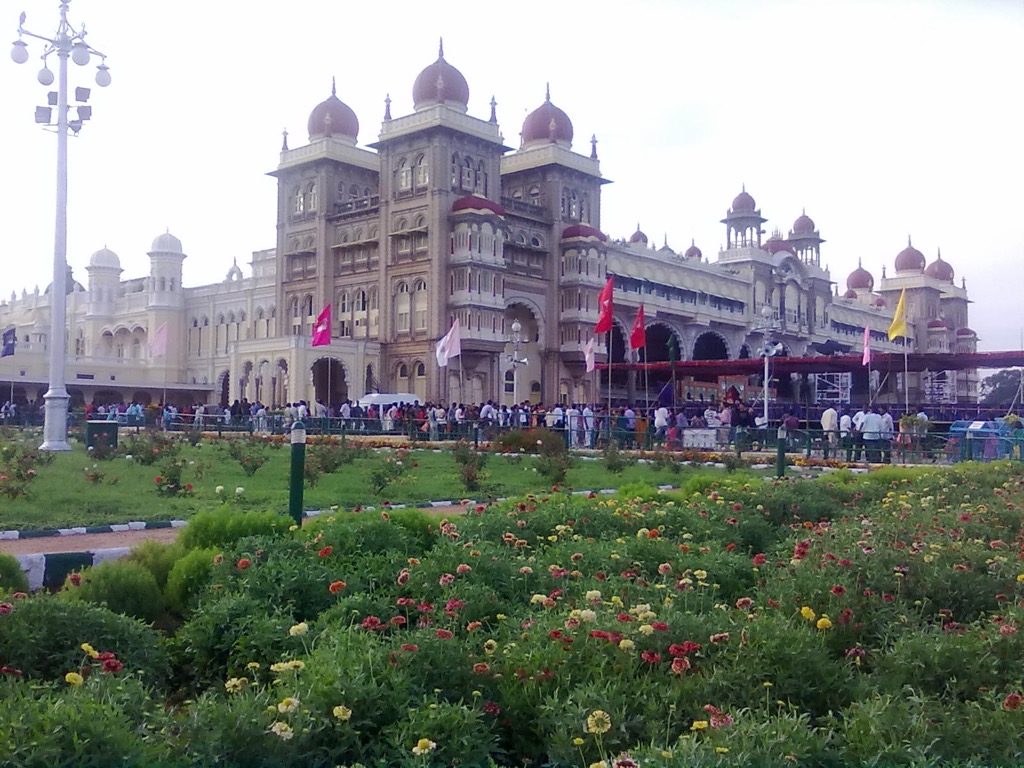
<point>322,329</point>
<point>638,336</point>
<point>604,307</point>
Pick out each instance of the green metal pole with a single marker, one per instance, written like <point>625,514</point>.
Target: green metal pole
<point>295,479</point>
<point>780,458</point>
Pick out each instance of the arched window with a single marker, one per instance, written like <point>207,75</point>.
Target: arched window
<point>421,369</point>
<point>481,179</point>
<point>353,192</point>
<point>534,195</point>
<point>343,302</point>
<point>341,192</point>
<point>419,305</point>
<point>467,174</point>
<point>295,307</point>
<point>308,302</point>
<point>403,371</point>
<point>298,203</point>
<point>404,176</point>
<point>359,302</point>
<point>402,307</point>
<point>311,196</point>
<point>455,170</point>
<point>422,175</point>
<point>373,298</point>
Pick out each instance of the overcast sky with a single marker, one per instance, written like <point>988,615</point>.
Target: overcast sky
<point>883,118</point>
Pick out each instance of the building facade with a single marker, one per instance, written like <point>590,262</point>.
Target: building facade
<point>436,220</point>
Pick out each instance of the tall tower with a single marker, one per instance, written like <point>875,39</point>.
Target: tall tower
<point>743,223</point>
<point>165,305</point>
<point>806,240</point>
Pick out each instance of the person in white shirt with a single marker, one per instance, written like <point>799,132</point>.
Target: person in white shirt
<point>858,434</point>
<point>888,432</point>
<point>846,433</point>
<point>588,426</point>
<point>871,432</point>
<point>572,419</point>
<point>829,425</point>
<point>711,417</point>
<point>660,422</point>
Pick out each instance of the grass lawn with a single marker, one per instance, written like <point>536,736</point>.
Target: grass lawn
<point>63,495</point>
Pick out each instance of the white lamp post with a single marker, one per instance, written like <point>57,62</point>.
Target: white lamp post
<point>515,360</point>
<point>767,351</point>
<point>66,42</point>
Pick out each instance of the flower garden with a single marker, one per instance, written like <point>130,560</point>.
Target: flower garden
<point>854,619</point>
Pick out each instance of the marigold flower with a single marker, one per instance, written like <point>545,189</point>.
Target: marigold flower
<point>626,644</point>
<point>243,563</point>
<point>760,559</point>
<point>298,630</point>
<point>234,684</point>
<point>282,730</point>
<point>808,613</point>
<point>73,678</point>
<point>824,623</point>
<point>423,747</point>
<point>699,725</point>
<point>288,704</point>
<point>719,637</point>
<point>481,668</point>
<point>700,574</point>
<point>342,712</point>
<point>598,722</point>
<point>410,647</point>
<point>337,586</point>
<point>90,651</point>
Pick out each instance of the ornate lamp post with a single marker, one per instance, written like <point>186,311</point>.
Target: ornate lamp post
<point>66,42</point>
<point>515,360</point>
<point>768,350</point>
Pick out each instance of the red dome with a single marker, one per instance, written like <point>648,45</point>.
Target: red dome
<point>940,270</point>
<point>638,236</point>
<point>477,203</point>
<point>439,83</point>
<point>804,225</point>
<point>582,230</point>
<point>860,280</point>
<point>547,123</point>
<point>936,325</point>
<point>966,332</point>
<point>743,202</point>
<point>333,117</point>
<point>776,245</point>
<point>909,259</point>
<point>850,294</point>
<point>693,252</point>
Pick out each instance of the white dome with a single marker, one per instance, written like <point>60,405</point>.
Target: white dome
<point>166,243</point>
<point>105,258</point>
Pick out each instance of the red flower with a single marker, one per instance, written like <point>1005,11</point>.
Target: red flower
<point>650,657</point>
<point>624,617</point>
<point>75,579</point>
<point>112,665</point>
<point>838,590</point>
<point>158,479</point>
<point>243,563</point>
<point>653,533</point>
<point>760,559</point>
<point>403,577</point>
<point>188,487</point>
<point>492,708</point>
<point>659,626</point>
<point>719,637</point>
<point>680,665</point>
<point>410,647</point>
<point>481,668</point>
<point>337,586</point>
<point>1012,702</point>
<point>371,623</point>
<point>443,634</point>
<point>744,603</point>
<point>326,551</point>
<point>684,648</point>
<point>397,621</point>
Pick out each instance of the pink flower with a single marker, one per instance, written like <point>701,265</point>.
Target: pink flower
<point>680,665</point>
<point>1013,702</point>
<point>410,647</point>
<point>760,559</point>
<point>463,568</point>
<point>446,579</point>
<point>443,634</point>
<point>720,637</point>
<point>650,657</point>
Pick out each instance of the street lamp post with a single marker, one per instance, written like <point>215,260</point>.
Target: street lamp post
<point>515,360</point>
<point>66,42</point>
<point>767,351</point>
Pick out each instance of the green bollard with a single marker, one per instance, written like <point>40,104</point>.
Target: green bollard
<point>296,478</point>
<point>780,458</point>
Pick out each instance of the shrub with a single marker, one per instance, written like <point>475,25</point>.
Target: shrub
<point>42,638</point>
<point>470,463</point>
<point>169,480</point>
<point>156,557</point>
<point>148,448</point>
<point>249,452</point>
<point>122,586</point>
<point>387,470</point>
<point>187,578</point>
<point>224,525</point>
<point>12,578</point>
<point>614,459</point>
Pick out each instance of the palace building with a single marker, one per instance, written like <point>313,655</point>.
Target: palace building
<point>437,219</point>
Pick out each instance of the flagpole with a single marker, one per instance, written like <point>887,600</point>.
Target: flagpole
<point>906,378</point>
<point>608,353</point>
<point>647,378</point>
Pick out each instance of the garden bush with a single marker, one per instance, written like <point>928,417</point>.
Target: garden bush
<point>188,577</point>
<point>222,526</point>
<point>156,557</point>
<point>12,578</point>
<point>121,585</point>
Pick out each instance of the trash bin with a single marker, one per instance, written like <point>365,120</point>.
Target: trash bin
<point>101,434</point>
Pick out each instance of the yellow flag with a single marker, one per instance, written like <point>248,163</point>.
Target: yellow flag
<point>899,320</point>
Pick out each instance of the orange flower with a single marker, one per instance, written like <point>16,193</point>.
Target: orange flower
<point>337,586</point>
<point>243,563</point>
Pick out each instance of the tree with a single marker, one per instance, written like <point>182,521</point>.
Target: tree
<point>1001,387</point>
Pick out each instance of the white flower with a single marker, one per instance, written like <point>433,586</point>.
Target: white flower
<point>342,712</point>
<point>299,629</point>
<point>282,730</point>
<point>239,491</point>
<point>219,489</point>
<point>288,704</point>
<point>128,457</point>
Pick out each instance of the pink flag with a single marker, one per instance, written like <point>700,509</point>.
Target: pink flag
<point>322,329</point>
<point>588,354</point>
<point>158,346</point>
<point>866,358</point>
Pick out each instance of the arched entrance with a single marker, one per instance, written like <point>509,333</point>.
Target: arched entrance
<point>710,346</point>
<point>659,384</point>
<point>224,387</point>
<point>330,385</point>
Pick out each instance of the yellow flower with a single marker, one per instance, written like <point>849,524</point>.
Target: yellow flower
<point>701,574</point>
<point>423,746</point>
<point>598,722</point>
<point>722,750</point>
<point>598,764</point>
<point>1020,578</point>
<point>577,741</point>
<point>807,613</point>
<point>824,623</point>
<point>592,595</point>
<point>253,665</point>
<point>626,644</point>
<point>90,651</point>
<point>299,629</point>
<point>234,684</point>
<point>342,712</point>
<point>288,704</point>
<point>699,725</point>
<point>282,730</point>
<point>73,678</point>
<point>645,629</point>
<point>588,615</point>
